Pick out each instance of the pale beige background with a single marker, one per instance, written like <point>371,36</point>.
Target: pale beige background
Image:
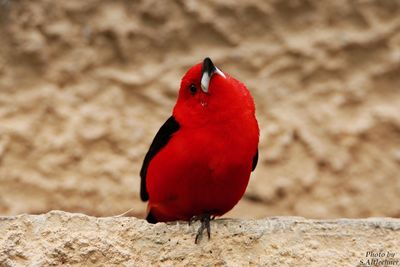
<point>84,86</point>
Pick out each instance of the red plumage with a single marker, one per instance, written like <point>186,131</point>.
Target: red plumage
<point>204,166</point>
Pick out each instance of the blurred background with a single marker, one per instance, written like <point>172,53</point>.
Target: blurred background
<point>85,85</point>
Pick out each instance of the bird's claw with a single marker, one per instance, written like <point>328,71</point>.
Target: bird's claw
<point>193,219</point>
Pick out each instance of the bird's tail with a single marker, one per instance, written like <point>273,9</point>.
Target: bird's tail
<point>150,218</point>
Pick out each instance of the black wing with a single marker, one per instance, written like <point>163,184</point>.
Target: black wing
<point>255,160</point>
<point>160,140</point>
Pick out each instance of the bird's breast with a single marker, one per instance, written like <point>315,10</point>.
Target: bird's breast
<point>203,169</point>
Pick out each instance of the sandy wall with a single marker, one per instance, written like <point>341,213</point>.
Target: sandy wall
<point>84,86</point>
<point>60,238</point>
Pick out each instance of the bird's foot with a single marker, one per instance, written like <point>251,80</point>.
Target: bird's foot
<point>205,224</point>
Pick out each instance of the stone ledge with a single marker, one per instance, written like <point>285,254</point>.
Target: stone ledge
<point>59,238</point>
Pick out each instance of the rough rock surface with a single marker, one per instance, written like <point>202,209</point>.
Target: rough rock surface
<point>84,86</point>
<point>59,238</point>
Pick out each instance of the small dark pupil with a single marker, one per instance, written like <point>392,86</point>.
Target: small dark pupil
<point>193,89</point>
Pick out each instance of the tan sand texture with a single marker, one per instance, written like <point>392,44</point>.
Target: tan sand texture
<point>59,238</point>
<point>85,85</point>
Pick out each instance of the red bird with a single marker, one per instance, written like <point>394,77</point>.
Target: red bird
<point>199,163</point>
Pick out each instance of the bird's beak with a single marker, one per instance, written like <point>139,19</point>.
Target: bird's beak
<point>207,72</point>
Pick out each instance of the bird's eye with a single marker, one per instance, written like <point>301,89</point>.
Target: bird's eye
<point>192,89</point>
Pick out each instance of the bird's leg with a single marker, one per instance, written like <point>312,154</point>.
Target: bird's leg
<point>205,224</point>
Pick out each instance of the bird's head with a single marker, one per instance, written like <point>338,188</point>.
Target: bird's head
<point>208,94</point>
